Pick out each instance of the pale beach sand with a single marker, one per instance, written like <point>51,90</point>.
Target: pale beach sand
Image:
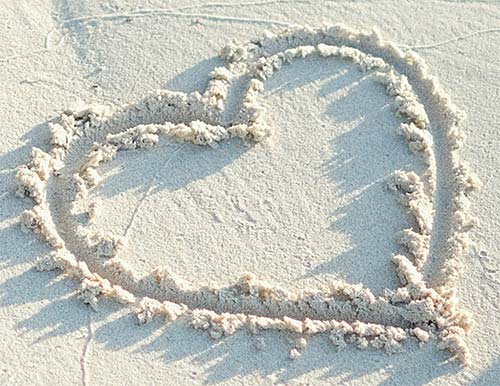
<point>302,201</point>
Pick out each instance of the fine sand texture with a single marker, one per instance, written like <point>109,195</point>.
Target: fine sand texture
<point>268,192</point>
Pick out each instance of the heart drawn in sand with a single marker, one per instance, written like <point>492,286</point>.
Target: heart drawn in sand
<point>348,313</point>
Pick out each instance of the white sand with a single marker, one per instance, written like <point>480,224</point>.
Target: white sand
<point>306,206</point>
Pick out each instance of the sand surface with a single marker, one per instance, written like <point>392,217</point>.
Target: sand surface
<point>304,207</point>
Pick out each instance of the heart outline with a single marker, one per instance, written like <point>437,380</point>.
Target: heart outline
<point>451,324</point>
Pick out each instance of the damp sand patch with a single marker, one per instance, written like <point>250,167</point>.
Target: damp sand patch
<point>347,313</point>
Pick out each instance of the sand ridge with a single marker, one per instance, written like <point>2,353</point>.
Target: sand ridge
<point>349,313</point>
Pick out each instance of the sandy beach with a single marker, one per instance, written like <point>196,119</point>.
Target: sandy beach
<point>247,193</point>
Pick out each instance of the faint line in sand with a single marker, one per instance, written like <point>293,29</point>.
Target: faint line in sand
<point>167,12</point>
<point>83,356</point>
<point>452,40</point>
<point>150,187</point>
